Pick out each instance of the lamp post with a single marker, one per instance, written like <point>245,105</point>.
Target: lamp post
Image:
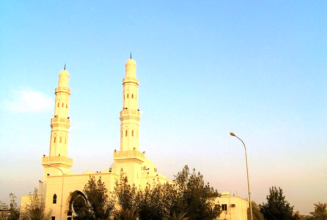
<point>62,188</point>
<point>247,172</point>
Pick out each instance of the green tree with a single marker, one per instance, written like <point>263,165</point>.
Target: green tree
<point>196,197</point>
<point>14,212</point>
<point>124,193</point>
<point>320,212</point>
<point>276,208</point>
<point>257,215</point>
<point>35,209</point>
<point>180,216</point>
<point>3,207</point>
<point>126,214</point>
<point>97,204</point>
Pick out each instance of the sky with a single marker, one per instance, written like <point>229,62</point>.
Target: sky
<point>257,68</point>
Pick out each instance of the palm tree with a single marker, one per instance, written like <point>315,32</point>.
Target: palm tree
<point>179,216</point>
<point>126,214</point>
<point>320,212</point>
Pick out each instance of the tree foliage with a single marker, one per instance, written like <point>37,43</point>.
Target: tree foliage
<point>126,214</point>
<point>276,208</point>
<point>257,215</point>
<point>35,209</point>
<point>320,212</point>
<point>189,196</point>
<point>97,204</point>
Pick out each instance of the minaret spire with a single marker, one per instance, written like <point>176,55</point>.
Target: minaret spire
<point>130,55</point>
<point>65,67</point>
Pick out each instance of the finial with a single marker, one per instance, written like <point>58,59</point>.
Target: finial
<point>130,55</point>
<point>65,67</point>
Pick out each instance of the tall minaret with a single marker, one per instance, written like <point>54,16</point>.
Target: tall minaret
<point>57,163</point>
<point>130,114</point>
<point>60,124</point>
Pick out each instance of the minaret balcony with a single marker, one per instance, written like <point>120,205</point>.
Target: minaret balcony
<point>62,89</point>
<point>130,114</point>
<point>56,122</point>
<point>131,154</point>
<point>129,79</point>
<point>57,159</point>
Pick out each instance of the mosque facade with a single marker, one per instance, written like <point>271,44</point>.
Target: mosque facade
<point>58,179</point>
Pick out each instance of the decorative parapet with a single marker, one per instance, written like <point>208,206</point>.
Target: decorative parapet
<point>57,159</point>
<point>62,89</point>
<point>129,79</point>
<point>131,154</point>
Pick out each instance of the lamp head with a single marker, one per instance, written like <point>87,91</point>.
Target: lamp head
<point>232,134</point>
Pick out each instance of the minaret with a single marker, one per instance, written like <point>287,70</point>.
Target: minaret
<point>60,124</point>
<point>130,114</point>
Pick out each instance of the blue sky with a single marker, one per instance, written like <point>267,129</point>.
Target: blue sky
<point>257,68</point>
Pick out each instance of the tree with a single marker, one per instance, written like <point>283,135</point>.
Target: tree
<point>97,205</point>
<point>180,216</point>
<point>257,215</point>
<point>196,198</point>
<point>124,194</point>
<point>35,210</point>
<point>13,208</point>
<point>276,208</point>
<point>126,214</point>
<point>320,212</point>
<point>3,208</point>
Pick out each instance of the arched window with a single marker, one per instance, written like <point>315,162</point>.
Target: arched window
<point>127,95</point>
<point>132,133</point>
<point>54,140</point>
<point>132,96</point>
<point>144,168</point>
<point>126,133</point>
<point>54,199</point>
<point>58,104</point>
<point>62,105</point>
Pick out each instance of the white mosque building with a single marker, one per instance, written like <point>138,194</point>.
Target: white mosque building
<point>58,180</point>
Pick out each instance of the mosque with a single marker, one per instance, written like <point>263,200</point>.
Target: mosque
<point>58,179</point>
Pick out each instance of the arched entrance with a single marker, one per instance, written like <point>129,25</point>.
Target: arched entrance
<point>76,204</point>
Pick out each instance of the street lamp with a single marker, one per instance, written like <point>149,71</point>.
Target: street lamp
<point>62,188</point>
<point>247,172</point>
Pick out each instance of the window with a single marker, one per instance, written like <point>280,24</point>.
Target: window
<point>58,104</point>
<point>53,218</point>
<point>54,140</point>
<point>126,133</point>
<point>54,199</point>
<point>144,168</point>
<point>66,105</point>
<point>224,207</point>
<point>60,139</point>
<point>127,95</point>
<point>132,133</point>
<point>132,96</point>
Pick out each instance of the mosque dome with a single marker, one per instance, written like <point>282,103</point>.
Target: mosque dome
<point>148,164</point>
